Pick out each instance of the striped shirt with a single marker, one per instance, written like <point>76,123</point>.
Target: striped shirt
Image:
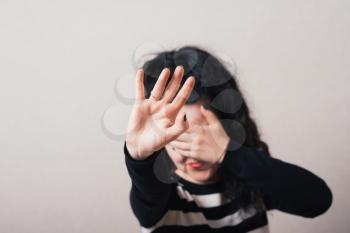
<point>183,206</point>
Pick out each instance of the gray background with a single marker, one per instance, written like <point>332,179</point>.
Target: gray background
<point>59,62</point>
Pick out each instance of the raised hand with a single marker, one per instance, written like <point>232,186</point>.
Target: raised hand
<point>206,142</point>
<point>156,121</point>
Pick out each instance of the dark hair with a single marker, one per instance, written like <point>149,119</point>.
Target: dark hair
<point>218,87</point>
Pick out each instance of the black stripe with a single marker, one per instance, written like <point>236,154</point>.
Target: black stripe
<point>257,221</point>
<point>202,189</point>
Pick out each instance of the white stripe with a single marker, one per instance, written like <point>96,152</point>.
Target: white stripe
<point>179,218</point>
<point>205,200</point>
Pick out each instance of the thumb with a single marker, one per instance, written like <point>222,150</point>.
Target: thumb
<point>180,126</point>
<point>209,115</point>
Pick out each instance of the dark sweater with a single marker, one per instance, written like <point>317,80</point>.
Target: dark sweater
<point>187,207</point>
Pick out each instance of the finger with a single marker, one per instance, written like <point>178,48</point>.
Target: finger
<point>186,153</point>
<point>139,82</point>
<point>177,128</point>
<point>209,115</point>
<point>174,85</point>
<point>196,128</point>
<point>183,94</point>
<point>158,89</point>
<point>180,145</point>
<point>184,137</point>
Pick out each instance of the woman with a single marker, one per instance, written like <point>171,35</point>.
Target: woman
<point>195,156</point>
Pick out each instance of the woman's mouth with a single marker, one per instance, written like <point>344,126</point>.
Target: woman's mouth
<point>195,165</point>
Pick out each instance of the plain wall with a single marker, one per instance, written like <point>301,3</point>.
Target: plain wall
<point>59,66</point>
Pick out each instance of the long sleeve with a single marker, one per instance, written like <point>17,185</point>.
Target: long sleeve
<point>148,195</point>
<point>284,186</point>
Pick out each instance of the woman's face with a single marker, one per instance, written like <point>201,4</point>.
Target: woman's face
<point>206,172</point>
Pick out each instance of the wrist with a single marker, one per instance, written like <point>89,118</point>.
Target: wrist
<point>135,153</point>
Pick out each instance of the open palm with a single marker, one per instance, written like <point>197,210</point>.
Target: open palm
<point>156,121</point>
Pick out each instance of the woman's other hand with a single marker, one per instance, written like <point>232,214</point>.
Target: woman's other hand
<point>156,121</point>
<point>206,142</point>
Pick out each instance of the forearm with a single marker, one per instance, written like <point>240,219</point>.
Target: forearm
<point>284,186</point>
<point>148,195</point>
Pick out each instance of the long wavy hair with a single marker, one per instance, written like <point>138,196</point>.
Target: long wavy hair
<point>218,87</point>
